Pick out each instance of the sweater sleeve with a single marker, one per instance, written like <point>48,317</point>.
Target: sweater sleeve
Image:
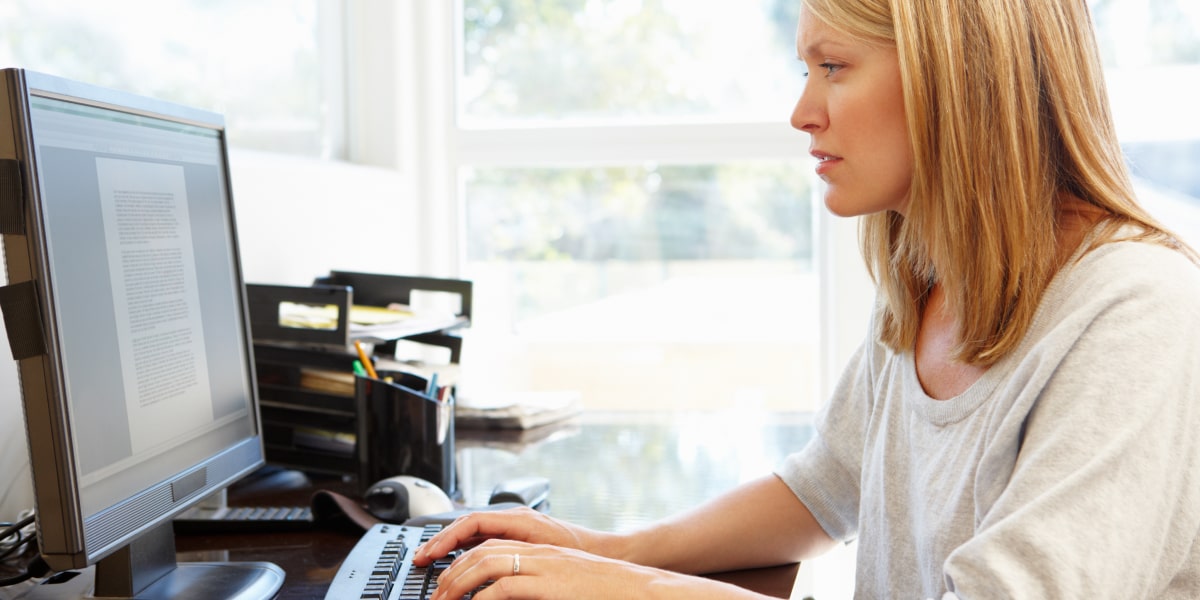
<point>1104,499</point>
<point>825,475</point>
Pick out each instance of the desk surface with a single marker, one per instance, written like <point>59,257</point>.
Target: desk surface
<point>607,471</point>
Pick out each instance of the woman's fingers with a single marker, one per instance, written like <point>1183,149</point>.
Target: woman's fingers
<point>466,531</point>
<point>519,524</point>
<point>516,570</point>
<point>491,563</point>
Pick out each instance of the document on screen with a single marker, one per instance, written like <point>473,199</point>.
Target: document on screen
<point>157,300</point>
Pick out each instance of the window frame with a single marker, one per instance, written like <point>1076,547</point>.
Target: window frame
<point>431,150</point>
<point>412,128</point>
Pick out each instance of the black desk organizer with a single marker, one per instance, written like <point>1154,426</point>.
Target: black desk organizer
<point>292,411</point>
<point>404,430</point>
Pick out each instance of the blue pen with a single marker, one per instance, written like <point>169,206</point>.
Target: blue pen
<point>432,391</point>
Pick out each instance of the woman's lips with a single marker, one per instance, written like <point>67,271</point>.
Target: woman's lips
<point>825,161</point>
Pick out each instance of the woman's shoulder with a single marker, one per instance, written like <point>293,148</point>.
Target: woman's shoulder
<point>1120,295</point>
<point>1137,271</point>
<point>1138,263</point>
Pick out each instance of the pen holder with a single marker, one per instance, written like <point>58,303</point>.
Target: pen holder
<point>403,431</point>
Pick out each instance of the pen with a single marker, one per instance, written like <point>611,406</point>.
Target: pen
<point>358,368</point>
<point>366,360</point>
<point>433,389</point>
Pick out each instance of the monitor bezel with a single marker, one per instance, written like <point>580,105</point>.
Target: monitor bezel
<point>68,538</point>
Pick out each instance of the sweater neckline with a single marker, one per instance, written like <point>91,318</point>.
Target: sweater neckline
<point>954,409</point>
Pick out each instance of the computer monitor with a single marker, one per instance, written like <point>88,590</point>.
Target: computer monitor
<point>125,309</point>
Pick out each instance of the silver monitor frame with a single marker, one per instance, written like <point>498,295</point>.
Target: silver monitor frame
<point>69,538</point>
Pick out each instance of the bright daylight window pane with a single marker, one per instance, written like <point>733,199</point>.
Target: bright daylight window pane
<point>637,60</point>
<point>684,286</point>
<point>1151,52</point>
<point>255,61</point>
<point>639,286</point>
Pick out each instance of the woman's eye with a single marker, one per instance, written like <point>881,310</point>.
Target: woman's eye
<point>830,68</point>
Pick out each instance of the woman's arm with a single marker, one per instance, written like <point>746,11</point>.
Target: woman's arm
<point>529,555</point>
<point>758,524</point>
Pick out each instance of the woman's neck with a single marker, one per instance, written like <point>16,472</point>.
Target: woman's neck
<point>1076,218</point>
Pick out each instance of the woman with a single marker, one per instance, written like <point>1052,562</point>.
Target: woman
<point>1021,420</point>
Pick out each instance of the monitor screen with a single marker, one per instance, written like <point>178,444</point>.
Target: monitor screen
<point>121,246</point>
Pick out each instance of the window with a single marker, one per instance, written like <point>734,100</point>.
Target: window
<point>627,60</point>
<point>1151,52</point>
<point>637,213</point>
<point>270,66</point>
<point>608,153</point>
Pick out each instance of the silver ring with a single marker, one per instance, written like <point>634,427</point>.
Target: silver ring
<point>516,564</point>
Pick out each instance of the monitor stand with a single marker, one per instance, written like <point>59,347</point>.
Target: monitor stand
<point>146,569</point>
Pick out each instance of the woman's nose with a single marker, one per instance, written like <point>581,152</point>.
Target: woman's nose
<point>808,116</point>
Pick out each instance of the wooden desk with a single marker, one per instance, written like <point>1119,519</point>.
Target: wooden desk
<point>607,471</point>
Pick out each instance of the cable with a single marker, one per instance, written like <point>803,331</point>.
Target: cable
<point>15,528</point>
<point>37,568</point>
<point>22,540</point>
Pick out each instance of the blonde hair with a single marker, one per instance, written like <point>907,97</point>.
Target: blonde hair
<point>1006,103</point>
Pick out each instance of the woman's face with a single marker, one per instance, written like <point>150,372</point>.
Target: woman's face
<point>853,107</point>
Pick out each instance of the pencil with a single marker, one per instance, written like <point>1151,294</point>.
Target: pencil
<point>366,360</point>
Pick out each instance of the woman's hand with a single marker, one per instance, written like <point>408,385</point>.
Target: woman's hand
<point>560,560</point>
<point>522,570</point>
<point>518,524</point>
<point>519,570</point>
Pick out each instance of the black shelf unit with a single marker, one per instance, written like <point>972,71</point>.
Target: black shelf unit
<point>313,427</point>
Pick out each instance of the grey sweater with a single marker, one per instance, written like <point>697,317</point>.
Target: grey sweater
<point>1070,469</point>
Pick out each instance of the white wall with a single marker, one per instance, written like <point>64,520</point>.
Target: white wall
<point>300,218</point>
<point>16,489</point>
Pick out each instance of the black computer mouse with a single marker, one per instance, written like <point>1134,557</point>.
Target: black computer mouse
<point>403,497</point>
